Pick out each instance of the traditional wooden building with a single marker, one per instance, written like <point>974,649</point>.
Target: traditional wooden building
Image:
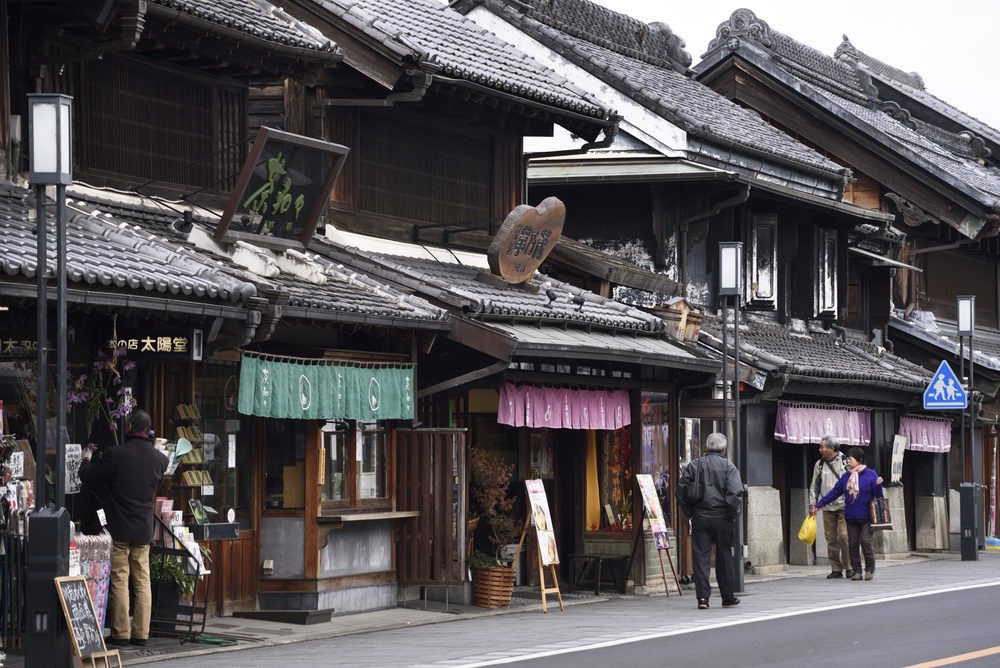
<point>689,169</point>
<point>930,166</point>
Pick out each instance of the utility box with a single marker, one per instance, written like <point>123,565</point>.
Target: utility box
<point>46,641</point>
<point>969,521</point>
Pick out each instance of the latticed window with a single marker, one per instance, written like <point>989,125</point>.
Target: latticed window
<point>420,173</point>
<point>168,129</point>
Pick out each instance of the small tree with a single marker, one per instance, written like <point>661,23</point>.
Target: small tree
<point>490,491</point>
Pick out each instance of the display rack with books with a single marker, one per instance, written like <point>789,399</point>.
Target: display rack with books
<point>189,477</point>
<point>198,476</point>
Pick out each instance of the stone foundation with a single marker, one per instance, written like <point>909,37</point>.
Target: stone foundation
<point>765,542</point>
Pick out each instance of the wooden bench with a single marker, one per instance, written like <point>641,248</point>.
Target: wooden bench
<point>580,565</point>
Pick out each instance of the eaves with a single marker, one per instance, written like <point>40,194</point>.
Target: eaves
<point>891,150</point>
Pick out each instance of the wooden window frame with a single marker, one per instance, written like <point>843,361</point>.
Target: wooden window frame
<point>825,286</point>
<point>762,262</point>
<point>352,469</point>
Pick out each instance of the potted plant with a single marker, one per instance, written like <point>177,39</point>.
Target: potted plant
<point>493,581</point>
<point>170,583</point>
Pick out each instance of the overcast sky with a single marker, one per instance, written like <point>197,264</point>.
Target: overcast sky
<point>949,44</point>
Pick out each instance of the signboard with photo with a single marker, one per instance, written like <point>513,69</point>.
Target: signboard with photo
<point>542,519</point>
<point>654,511</point>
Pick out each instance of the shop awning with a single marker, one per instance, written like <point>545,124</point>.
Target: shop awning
<point>298,388</point>
<point>926,434</point>
<point>808,423</point>
<point>563,408</point>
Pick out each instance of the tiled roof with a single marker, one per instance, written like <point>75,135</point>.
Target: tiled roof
<point>257,18</point>
<point>724,133</point>
<point>943,335</point>
<point>846,89</point>
<point>959,168</point>
<point>446,278</point>
<point>349,292</point>
<point>653,43</point>
<point>103,254</point>
<point>744,28</point>
<point>842,357</point>
<point>323,291</point>
<point>442,41</point>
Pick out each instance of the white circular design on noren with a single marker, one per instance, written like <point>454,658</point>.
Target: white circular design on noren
<point>374,394</point>
<point>231,515</point>
<point>305,392</point>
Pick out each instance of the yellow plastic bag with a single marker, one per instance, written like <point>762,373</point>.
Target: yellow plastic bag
<point>807,532</point>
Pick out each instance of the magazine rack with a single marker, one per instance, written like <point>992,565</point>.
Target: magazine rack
<point>170,615</point>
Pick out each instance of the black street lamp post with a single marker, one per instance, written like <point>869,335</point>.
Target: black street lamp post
<point>731,284</point>
<point>46,640</point>
<point>968,507</point>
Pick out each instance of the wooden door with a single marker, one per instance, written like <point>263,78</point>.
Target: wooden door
<point>430,479</point>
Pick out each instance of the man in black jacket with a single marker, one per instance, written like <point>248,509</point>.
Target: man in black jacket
<point>131,473</point>
<point>713,518</point>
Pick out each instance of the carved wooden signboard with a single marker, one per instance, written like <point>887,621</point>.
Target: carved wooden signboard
<point>525,239</point>
<point>284,187</point>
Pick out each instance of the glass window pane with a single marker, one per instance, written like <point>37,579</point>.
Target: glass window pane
<point>336,464</point>
<point>285,463</point>
<point>656,444</point>
<point>616,484</point>
<point>371,472</point>
<point>227,446</point>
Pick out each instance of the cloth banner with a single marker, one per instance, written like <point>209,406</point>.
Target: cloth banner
<point>317,389</point>
<point>808,423</point>
<point>926,435</point>
<point>563,408</point>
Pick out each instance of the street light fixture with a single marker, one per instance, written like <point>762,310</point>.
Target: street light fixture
<point>731,284</point>
<point>50,118</point>
<point>968,507</point>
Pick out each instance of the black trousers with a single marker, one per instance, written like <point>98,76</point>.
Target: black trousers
<point>705,534</point>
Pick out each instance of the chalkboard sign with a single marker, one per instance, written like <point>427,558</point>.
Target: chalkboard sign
<point>88,637</point>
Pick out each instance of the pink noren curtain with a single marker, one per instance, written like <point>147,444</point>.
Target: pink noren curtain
<point>808,423</point>
<point>563,408</point>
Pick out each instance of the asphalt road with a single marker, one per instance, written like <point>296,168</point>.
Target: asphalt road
<point>906,617</point>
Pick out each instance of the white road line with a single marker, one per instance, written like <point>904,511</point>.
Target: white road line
<point>695,626</point>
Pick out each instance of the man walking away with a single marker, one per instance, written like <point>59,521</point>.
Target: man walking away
<point>713,510</point>
<point>131,473</point>
<point>827,471</point>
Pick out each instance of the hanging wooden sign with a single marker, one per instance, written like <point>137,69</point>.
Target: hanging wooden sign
<point>525,239</point>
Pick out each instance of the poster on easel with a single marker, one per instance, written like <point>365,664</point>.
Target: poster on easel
<point>542,520</point>
<point>654,511</point>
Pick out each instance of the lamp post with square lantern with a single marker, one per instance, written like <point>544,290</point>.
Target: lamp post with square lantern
<point>731,284</point>
<point>968,506</point>
<point>46,639</point>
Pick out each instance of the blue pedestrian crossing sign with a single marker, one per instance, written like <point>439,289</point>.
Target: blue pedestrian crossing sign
<point>945,391</point>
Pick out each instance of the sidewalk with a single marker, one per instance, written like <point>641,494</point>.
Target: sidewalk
<point>227,634</point>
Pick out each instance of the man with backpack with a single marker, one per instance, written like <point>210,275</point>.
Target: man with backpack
<point>710,492</point>
<point>827,471</point>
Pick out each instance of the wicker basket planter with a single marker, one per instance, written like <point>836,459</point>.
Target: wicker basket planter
<point>492,586</point>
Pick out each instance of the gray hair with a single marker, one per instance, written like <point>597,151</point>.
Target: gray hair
<point>716,442</point>
<point>831,442</point>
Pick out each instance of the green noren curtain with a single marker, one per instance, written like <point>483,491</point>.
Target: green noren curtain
<point>318,389</point>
